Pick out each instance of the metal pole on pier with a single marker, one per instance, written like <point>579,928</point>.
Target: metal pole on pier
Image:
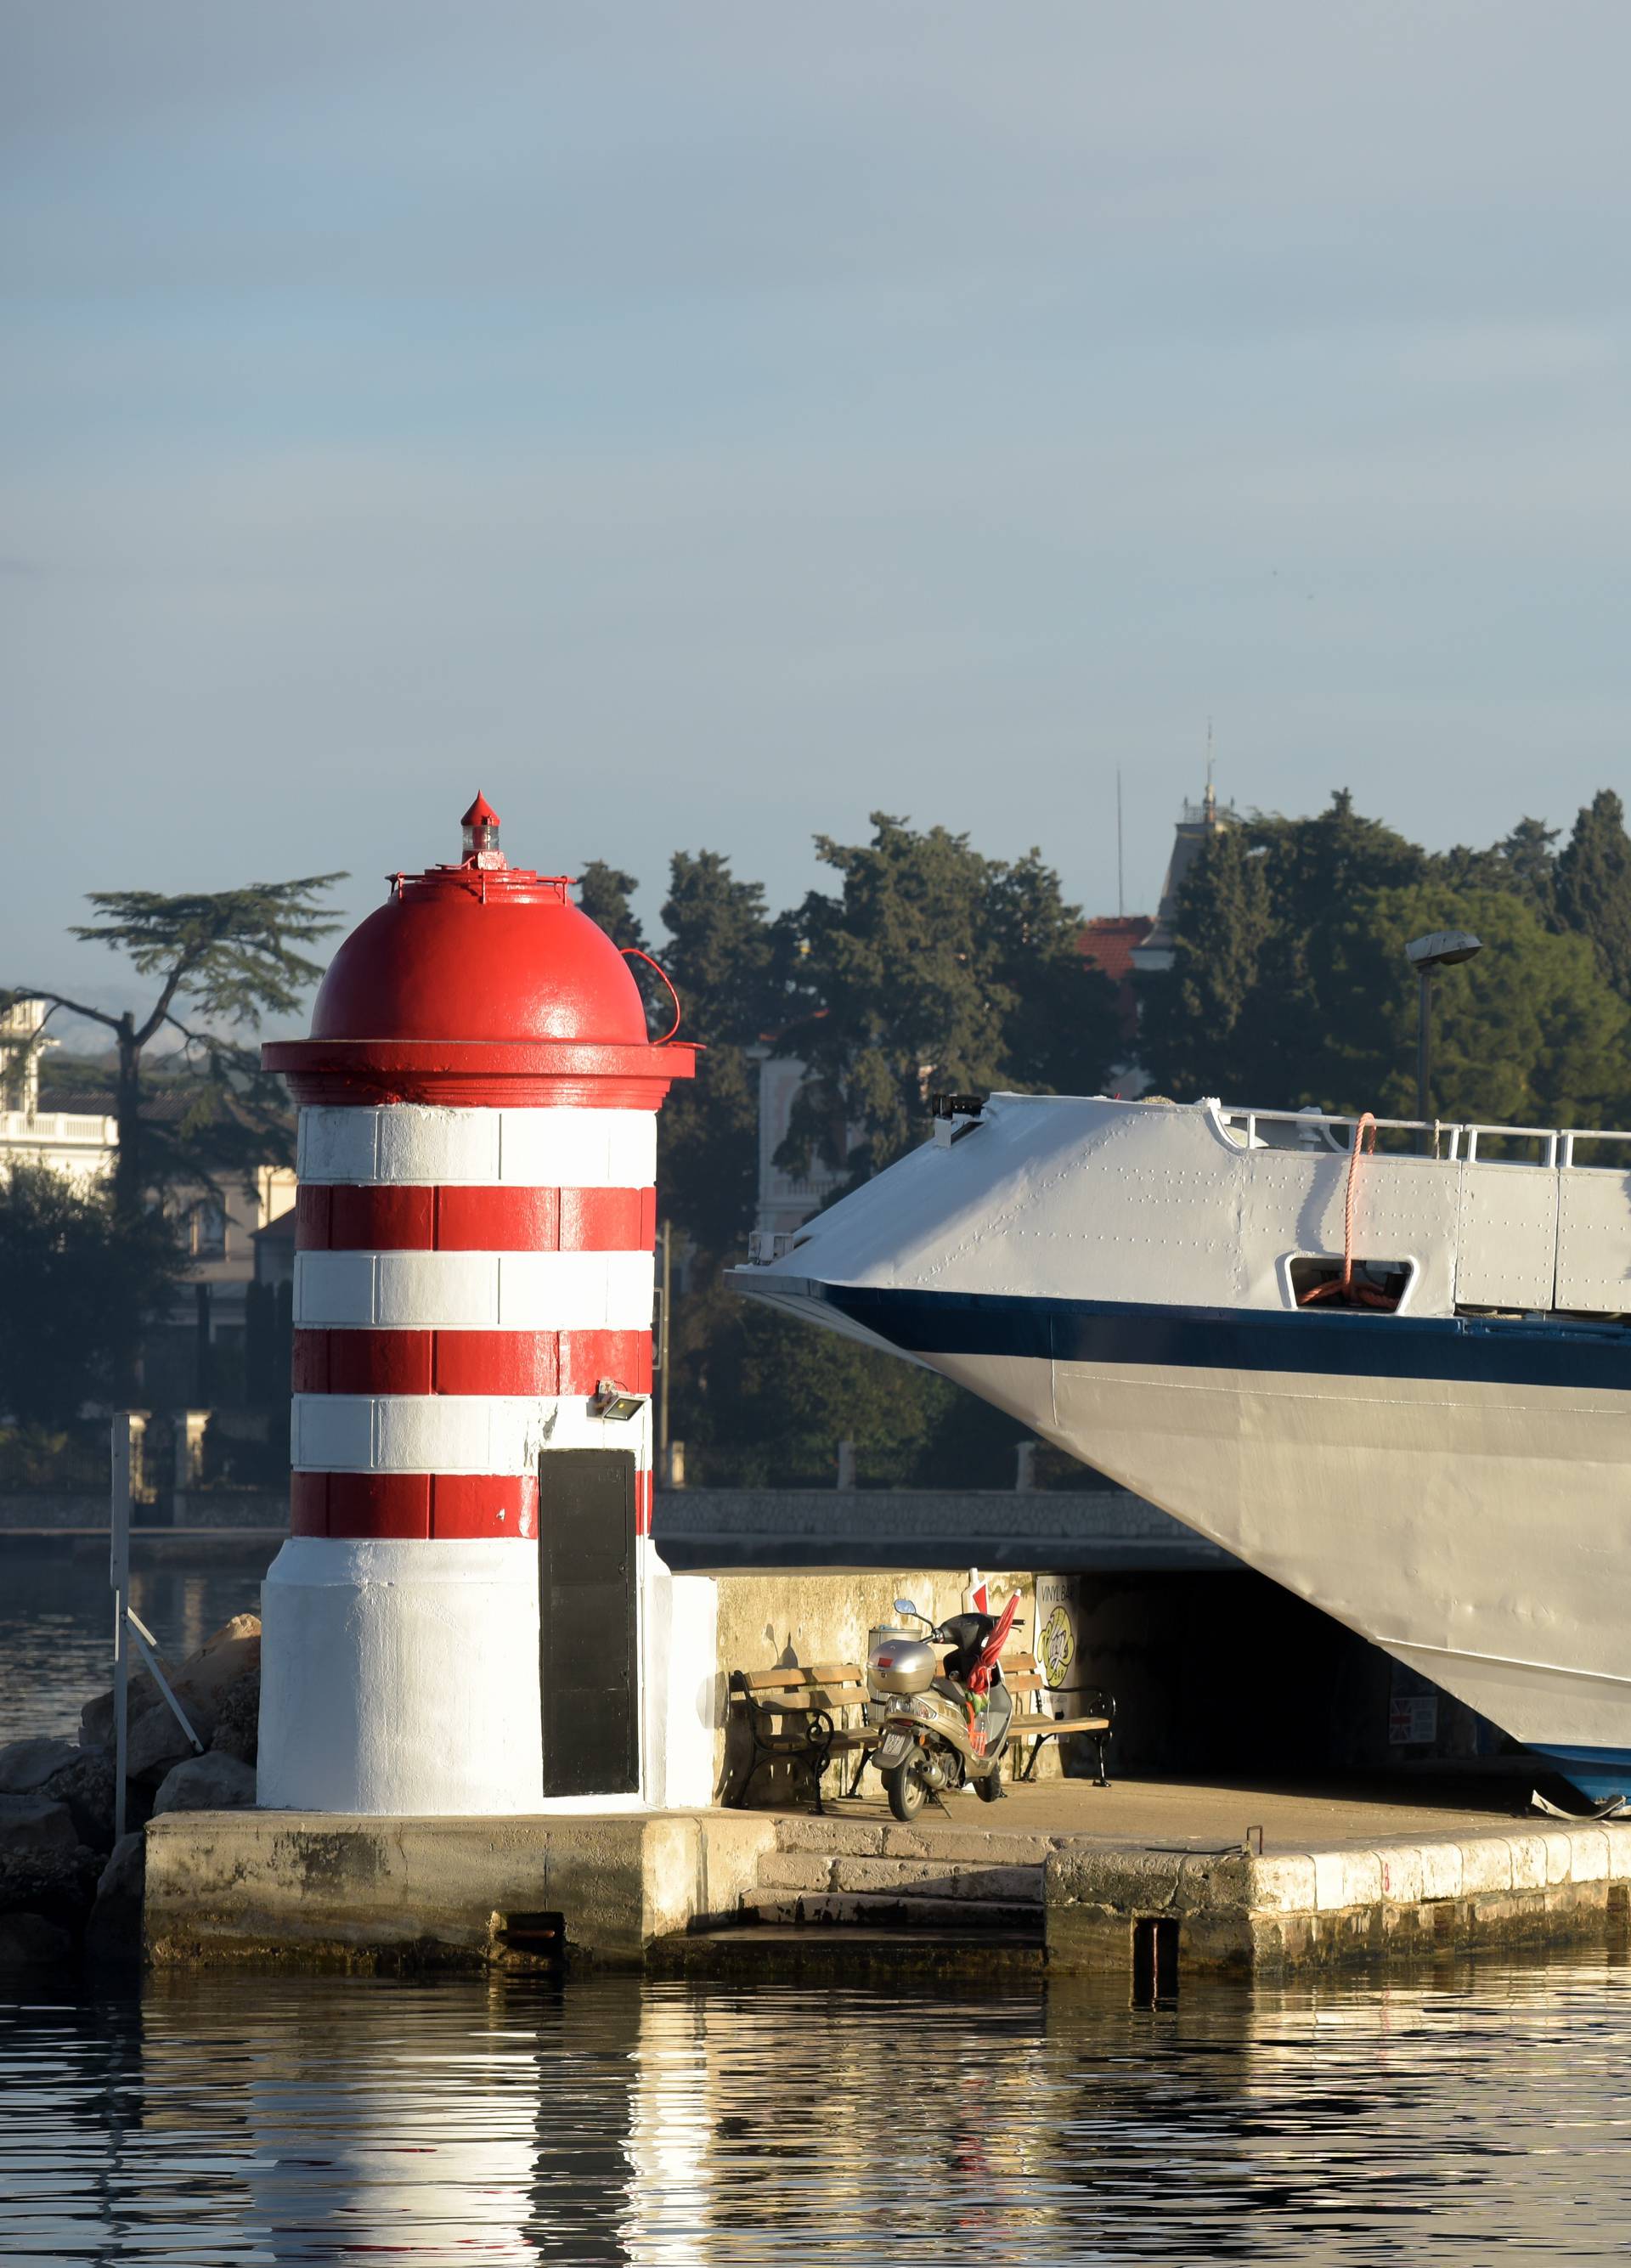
<point>1424,1052</point>
<point>119,1576</point>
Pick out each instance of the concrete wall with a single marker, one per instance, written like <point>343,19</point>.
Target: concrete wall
<point>1104,1529</point>
<point>764,1618</point>
<point>299,1886</point>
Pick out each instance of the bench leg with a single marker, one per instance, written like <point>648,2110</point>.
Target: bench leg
<point>1104,1779</point>
<point>738,1801</point>
<point>865,1758</point>
<point>818,1756</point>
<point>1030,1772</point>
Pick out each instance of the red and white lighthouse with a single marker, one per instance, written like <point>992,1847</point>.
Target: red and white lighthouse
<point>459,1620</point>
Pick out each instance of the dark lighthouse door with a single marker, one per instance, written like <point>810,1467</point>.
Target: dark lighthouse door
<point>589,1670</point>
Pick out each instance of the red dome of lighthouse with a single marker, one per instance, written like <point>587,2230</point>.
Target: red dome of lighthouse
<point>474,970</point>
<point>479,951</point>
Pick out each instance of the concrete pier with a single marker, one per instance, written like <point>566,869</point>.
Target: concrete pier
<point>1074,1879</point>
<point>313,1887</point>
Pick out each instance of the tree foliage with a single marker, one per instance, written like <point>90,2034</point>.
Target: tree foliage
<point>1527,1033</point>
<point>223,960</point>
<point>935,968</point>
<point>77,1281</point>
<point>725,958</point>
<point>1594,886</point>
<point>1248,1007</point>
<point>1289,983</point>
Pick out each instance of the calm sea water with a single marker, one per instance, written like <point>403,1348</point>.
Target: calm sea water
<point>223,2120</point>
<point>219,2118</point>
<point>56,1618</point>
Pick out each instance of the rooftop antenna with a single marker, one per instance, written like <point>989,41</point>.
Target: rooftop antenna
<point>1212,800</point>
<point>1121,905</point>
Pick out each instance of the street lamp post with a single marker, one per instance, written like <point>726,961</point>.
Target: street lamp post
<point>1444,948</point>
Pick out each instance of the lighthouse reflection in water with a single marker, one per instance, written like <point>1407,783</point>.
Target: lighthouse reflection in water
<point>223,2120</point>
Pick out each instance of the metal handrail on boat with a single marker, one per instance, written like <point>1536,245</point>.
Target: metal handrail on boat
<point>1462,1136</point>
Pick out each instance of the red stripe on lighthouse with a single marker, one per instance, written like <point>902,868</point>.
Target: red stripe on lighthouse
<point>386,1217</point>
<point>470,1362</point>
<point>416,1506</point>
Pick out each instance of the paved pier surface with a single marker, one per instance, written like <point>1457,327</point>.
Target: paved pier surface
<point>1292,1817</point>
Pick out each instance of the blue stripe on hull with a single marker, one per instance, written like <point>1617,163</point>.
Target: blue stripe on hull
<point>1601,1774</point>
<point>1480,1350</point>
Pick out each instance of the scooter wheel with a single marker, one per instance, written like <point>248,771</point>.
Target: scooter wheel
<point>906,1791</point>
<point>989,1784</point>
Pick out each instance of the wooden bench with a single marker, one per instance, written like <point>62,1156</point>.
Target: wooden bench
<point>1032,1722</point>
<point>797,1711</point>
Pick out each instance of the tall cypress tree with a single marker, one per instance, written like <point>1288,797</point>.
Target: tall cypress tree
<point>1594,886</point>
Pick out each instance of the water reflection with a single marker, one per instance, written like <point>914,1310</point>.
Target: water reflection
<point>56,1622</point>
<point>317,2119</point>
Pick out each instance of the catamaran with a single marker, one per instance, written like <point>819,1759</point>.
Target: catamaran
<point>1395,1379</point>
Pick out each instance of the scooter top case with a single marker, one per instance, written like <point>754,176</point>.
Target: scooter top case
<point>904,1665</point>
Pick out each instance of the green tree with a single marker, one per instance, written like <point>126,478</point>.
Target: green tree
<point>1532,863</point>
<point>1529,1033</point>
<point>604,893</point>
<point>935,968</point>
<point>724,956</point>
<point>1594,886</point>
<point>227,958</point>
<point>1253,1008</point>
<point>1062,1031</point>
<point>77,1281</point>
<point>1190,1015</point>
<point>766,1401</point>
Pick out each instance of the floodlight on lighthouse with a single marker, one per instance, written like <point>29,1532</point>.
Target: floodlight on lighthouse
<point>610,1401</point>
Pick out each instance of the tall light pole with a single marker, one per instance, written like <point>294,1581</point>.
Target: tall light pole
<point>1443,949</point>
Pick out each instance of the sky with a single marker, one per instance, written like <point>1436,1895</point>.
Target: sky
<point>700,425</point>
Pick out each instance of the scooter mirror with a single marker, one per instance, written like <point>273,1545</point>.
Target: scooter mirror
<point>905,1606</point>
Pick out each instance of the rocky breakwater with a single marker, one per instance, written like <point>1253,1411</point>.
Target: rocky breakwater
<point>68,1892</point>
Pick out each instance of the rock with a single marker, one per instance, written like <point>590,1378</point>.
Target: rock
<point>27,1941</point>
<point>85,1785</point>
<point>55,1881</point>
<point>156,1742</point>
<point>221,1660</point>
<point>25,1765</point>
<point>34,1824</point>
<point>238,1722</point>
<point>198,1684</point>
<point>114,1932</point>
<point>83,1779</point>
<point>216,1782</point>
<point>96,1719</point>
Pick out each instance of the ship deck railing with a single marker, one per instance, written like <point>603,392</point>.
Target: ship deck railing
<point>1453,1141</point>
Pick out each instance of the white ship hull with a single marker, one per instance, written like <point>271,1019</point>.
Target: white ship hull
<point>1455,1486</point>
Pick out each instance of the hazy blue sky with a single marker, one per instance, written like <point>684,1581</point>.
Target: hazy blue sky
<point>699,424</point>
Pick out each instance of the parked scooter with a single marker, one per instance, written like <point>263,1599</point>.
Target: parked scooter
<point>949,1713</point>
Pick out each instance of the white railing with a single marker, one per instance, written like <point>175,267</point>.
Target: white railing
<point>1453,1141</point>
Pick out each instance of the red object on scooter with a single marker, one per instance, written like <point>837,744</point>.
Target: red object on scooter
<point>979,1677</point>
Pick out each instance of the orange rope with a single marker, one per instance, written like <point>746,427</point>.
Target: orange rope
<point>1342,1286</point>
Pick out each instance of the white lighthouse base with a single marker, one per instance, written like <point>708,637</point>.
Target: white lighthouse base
<point>401,1680</point>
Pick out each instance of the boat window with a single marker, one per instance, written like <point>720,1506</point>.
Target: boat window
<point>1375,1285</point>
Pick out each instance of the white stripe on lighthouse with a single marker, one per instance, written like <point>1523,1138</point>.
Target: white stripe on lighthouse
<point>418,1144</point>
<point>417,1433</point>
<point>494,1434</point>
<point>473,1291</point>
